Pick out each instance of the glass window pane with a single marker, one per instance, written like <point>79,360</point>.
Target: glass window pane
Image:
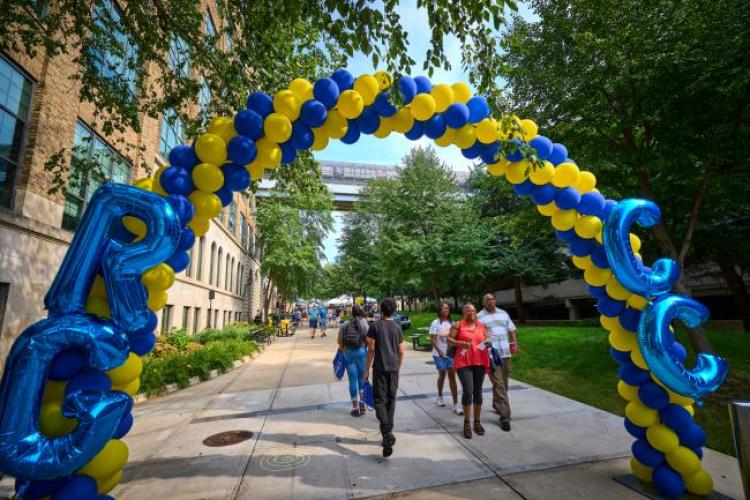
<point>11,133</point>
<point>210,26</point>
<point>178,57</point>
<point>171,132</point>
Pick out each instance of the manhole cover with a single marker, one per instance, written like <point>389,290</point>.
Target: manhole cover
<point>227,438</point>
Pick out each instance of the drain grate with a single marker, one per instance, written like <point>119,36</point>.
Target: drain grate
<point>227,438</point>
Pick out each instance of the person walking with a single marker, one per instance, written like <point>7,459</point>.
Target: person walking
<point>313,315</point>
<point>439,330</point>
<point>323,321</point>
<point>502,334</point>
<point>471,363</point>
<point>385,353</point>
<point>352,342</point>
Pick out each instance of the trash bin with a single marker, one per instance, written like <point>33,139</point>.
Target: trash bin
<point>739,415</point>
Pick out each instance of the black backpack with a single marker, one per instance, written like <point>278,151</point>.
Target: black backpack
<point>352,337</point>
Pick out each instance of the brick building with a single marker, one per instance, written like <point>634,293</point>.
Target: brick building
<point>40,115</point>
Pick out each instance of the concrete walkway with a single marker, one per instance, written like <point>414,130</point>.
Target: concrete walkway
<point>305,445</point>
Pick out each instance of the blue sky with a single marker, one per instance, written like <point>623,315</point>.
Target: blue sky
<point>389,151</point>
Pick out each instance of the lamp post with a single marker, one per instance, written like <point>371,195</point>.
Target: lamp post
<point>211,296</point>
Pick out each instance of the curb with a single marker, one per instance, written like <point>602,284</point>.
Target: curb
<point>193,381</point>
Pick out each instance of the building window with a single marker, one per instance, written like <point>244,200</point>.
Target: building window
<point>216,318</point>
<point>250,239</point>
<point>230,220</point>
<point>185,317</point>
<point>199,274</point>
<point>189,270</point>
<point>196,319</point>
<point>217,279</point>
<point>212,266</point>
<point>172,132</point>
<point>120,64</point>
<point>239,279</point>
<point>210,26</point>
<point>179,57</point>
<point>227,273</point>
<point>15,99</point>
<point>208,318</point>
<point>204,95</point>
<point>243,230</point>
<point>166,319</point>
<point>94,163</point>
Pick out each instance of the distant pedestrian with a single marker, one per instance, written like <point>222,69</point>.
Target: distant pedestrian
<point>385,353</point>
<point>472,362</point>
<point>502,334</point>
<point>313,315</point>
<point>439,330</point>
<point>352,341</point>
<point>323,320</point>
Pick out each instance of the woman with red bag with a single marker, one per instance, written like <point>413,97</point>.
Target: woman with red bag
<point>471,363</point>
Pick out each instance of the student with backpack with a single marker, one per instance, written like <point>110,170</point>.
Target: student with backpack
<point>352,342</point>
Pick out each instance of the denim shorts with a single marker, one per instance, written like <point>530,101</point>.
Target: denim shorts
<point>443,364</point>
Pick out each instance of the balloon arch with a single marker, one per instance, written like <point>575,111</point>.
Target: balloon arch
<point>81,366</point>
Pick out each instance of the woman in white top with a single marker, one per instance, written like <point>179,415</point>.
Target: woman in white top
<point>439,330</point>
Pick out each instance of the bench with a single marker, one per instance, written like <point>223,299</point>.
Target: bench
<point>425,345</point>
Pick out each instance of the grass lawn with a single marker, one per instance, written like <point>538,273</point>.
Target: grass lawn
<point>575,362</point>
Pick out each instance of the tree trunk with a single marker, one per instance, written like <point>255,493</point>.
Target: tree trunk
<point>519,301</point>
<point>739,291</point>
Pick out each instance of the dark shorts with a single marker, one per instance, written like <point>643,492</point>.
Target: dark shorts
<point>313,323</point>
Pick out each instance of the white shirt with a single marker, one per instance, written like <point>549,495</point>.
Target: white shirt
<point>440,329</point>
<point>498,325</point>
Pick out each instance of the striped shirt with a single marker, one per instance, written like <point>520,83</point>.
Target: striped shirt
<point>498,324</point>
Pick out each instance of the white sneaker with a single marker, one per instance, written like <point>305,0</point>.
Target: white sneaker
<point>439,401</point>
<point>458,410</point>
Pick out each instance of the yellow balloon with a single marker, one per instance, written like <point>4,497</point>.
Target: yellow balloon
<point>159,277</point>
<point>108,461</point>
<point>320,140</point>
<point>98,288</point>
<point>208,177</point>
<point>277,127</point>
<point>635,242</point>
<point>581,263</point>
<point>199,225</point>
<point>566,174</point>
<point>144,183</point>
<point>269,153</point>
<point>487,131</point>
<point>131,387</point>
<point>350,104</point>
<point>302,89</point>
<point>384,129</point>
<point>588,226</point>
<point>642,472</point>
<point>586,182</point>
<point>157,299</point>
<point>543,175</point>
<point>336,125</point>
<point>368,87</point>
<point>286,103</point>
<point>637,358</point>
<point>547,210</point>
<point>530,129</point>
<point>104,486</point>
<point>562,220</point>
<point>223,126</point>
<point>637,302</point>
<point>700,483</point>
<point>52,423</point>
<point>443,95</point>
<point>98,306</point>
<point>497,169</point>
<point>54,391</point>
<point>517,171</point>
<point>626,391</point>
<point>126,372</point>
<point>403,121</point>
<point>596,276</point>
<point>640,414</point>
<point>616,290</point>
<point>207,205</point>
<point>662,438</point>
<point>256,170</point>
<point>384,79</point>
<point>622,340</point>
<point>461,92</point>
<point>465,136</point>
<point>211,148</point>
<point>609,323</point>
<point>156,185</point>
<point>675,398</point>
<point>423,107</point>
<point>447,138</point>
<point>689,409</point>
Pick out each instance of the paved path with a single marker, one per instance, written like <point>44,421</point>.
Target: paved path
<point>305,445</point>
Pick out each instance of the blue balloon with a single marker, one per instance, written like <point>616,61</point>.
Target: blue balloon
<point>472,151</point>
<point>653,396</point>
<point>568,236</point>
<point>542,145</point>
<point>478,109</point>
<point>236,177</point>
<point>183,156</point>
<point>597,292</point>
<point>177,180</point>
<point>249,123</point>
<point>326,91</point>
<point>610,307</point>
<point>516,154</point>
<point>676,417</point>
<point>646,454</point>
<point>636,431</point>
<point>631,272</point>
<point>632,375</point>
<point>524,188</point>
<point>148,328</point>
<point>143,344</point>
<point>591,203</point>
<point>241,150</point>
<point>90,380</point>
<point>408,88</point>
<point>288,153</point>
<point>187,239</point>
<point>599,257</point>
<point>679,351</point>
<point>34,490</point>
<point>655,341</point>
<point>24,450</point>
<point>415,132</point>
<point>457,115</point>
<point>125,425</point>
<point>668,482</point>
<point>629,319</point>
<point>78,487</point>
<point>621,357</point>
<point>544,194</point>
<point>383,105</point>
<point>313,113</point>
<point>260,103</point>
<point>692,436</point>
<point>581,247</point>
<point>352,133</point>
<point>67,364</point>
<point>424,85</point>
<point>567,198</point>
<point>226,195</point>
<point>343,79</point>
<point>302,136</point>
<point>609,205</point>
<point>558,155</point>
<point>178,261</point>
<point>435,126</point>
<point>489,152</point>
<point>182,206</point>
<point>369,121</point>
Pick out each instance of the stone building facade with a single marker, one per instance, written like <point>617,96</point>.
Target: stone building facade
<point>40,115</point>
